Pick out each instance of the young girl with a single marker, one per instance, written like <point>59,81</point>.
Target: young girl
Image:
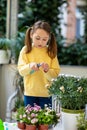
<point>38,63</point>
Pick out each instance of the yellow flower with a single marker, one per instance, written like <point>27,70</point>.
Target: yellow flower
<point>47,85</point>
<point>62,89</point>
<point>80,89</point>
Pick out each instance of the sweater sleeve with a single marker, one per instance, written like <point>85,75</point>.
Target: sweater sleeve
<point>23,64</point>
<point>54,69</point>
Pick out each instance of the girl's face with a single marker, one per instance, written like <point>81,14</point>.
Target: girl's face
<point>40,38</point>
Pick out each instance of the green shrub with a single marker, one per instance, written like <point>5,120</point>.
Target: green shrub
<point>81,122</point>
<point>74,54</point>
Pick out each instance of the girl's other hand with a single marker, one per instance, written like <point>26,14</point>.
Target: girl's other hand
<point>45,67</point>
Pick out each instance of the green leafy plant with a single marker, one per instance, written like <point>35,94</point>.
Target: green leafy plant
<point>81,122</point>
<point>5,50</point>
<point>32,114</point>
<point>3,12</point>
<point>71,91</point>
<point>4,44</point>
<point>35,115</point>
<point>73,54</point>
<point>48,116</point>
<point>28,114</point>
<point>30,13</point>
<point>17,45</point>
<point>20,114</point>
<point>18,103</point>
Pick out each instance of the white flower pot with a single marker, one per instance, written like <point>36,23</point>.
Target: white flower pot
<point>69,119</point>
<point>5,56</point>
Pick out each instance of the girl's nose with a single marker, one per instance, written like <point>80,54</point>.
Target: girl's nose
<point>41,41</point>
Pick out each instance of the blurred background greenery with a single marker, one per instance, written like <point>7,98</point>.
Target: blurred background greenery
<point>30,11</point>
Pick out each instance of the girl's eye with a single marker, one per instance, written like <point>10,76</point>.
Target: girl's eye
<point>44,39</point>
<point>37,38</point>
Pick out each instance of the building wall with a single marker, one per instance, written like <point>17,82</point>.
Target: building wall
<point>71,21</point>
<point>72,24</point>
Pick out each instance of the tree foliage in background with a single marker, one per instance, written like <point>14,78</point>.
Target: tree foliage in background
<point>29,12</point>
<point>38,10</point>
<point>33,10</point>
<point>74,54</point>
<point>42,10</point>
<point>3,6</point>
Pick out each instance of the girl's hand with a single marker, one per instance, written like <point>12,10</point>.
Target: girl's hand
<point>45,67</point>
<point>33,66</point>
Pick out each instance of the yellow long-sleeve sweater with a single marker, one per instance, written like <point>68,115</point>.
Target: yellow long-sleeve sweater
<point>35,83</point>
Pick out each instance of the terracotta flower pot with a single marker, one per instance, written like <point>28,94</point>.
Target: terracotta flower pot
<point>43,127</point>
<point>30,127</point>
<point>21,125</point>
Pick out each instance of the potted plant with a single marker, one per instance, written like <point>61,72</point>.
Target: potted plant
<point>28,116</point>
<point>71,92</point>
<point>5,52</point>
<point>81,122</point>
<point>34,117</point>
<point>46,117</point>
<point>20,117</point>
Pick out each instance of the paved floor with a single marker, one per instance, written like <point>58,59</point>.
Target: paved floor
<point>13,126</point>
<point>57,127</point>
